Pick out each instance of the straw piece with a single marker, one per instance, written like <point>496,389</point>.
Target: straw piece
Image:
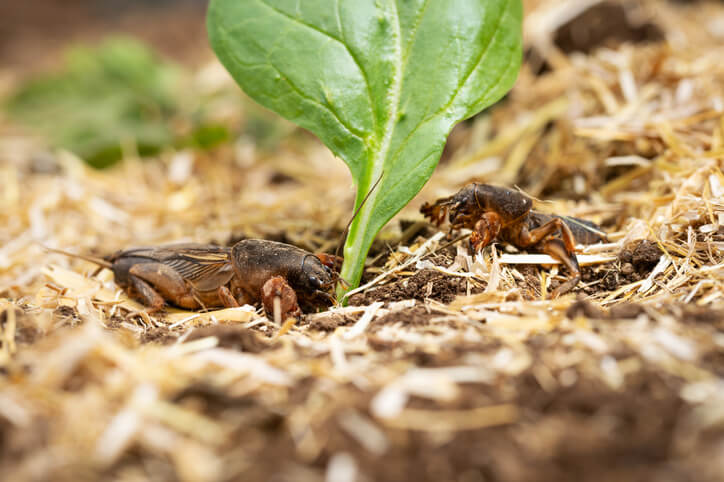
<point>451,421</point>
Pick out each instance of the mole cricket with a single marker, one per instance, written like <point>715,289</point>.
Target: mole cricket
<point>194,276</point>
<point>201,276</point>
<point>497,213</point>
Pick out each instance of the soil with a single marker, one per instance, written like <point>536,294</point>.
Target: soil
<point>233,337</point>
<point>641,255</point>
<point>424,284</point>
<point>635,262</point>
<point>416,316</point>
<point>584,431</point>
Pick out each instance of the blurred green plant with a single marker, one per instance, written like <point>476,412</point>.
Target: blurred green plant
<point>104,98</point>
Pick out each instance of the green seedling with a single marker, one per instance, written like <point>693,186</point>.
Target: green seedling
<point>380,82</point>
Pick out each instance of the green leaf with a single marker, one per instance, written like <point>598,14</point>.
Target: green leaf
<point>380,82</point>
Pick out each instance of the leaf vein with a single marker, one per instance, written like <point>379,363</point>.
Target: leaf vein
<point>457,91</point>
<point>479,60</point>
<point>511,63</point>
<point>342,43</point>
<point>311,100</point>
<point>225,32</point>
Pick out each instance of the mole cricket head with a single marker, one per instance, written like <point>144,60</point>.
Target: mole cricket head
<point>507,203</point>
<point>456,206</point>
<point>313,276</point>
<point>462,204</point>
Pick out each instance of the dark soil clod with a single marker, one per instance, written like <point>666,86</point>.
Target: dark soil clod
<point>583,307</point>
<point>607,24</point>
<point>233,337</point>
<point>642,256</point>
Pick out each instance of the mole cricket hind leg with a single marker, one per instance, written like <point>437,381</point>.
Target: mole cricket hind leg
<point>485,231</point>
<point>226,298</point>
<point>556,248</point>
<point>535,236</point>
<point>146,294</point>
<point>279,300</point>
<point>168,282</point>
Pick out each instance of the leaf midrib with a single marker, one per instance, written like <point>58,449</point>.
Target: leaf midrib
<point>393,187</point>
<point>394,93</point>
<point>380,155</point>
<point>444,108</point>
<point>428,118</point>
<point>379,150</point>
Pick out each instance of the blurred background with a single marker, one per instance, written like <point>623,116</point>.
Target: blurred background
<point>33,34</point>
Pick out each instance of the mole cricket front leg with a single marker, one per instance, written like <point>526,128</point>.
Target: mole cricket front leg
<point>279,300</point>
<point>486,229</point>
